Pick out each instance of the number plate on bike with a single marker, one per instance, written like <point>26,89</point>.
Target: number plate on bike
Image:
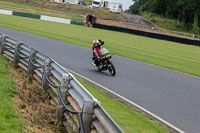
<point>108,56</point>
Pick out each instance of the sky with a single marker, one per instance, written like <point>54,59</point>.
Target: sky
<point>125,3</point>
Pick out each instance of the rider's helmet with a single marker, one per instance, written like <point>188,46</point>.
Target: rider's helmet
<point>96,43</point>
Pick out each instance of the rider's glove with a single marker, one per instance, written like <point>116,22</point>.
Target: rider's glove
<point>98,57</point>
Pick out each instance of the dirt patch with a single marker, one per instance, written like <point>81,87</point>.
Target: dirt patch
<point>32,102</point>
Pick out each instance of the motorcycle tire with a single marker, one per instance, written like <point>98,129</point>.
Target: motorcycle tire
<point>99,69</point>
<point>111,69</point>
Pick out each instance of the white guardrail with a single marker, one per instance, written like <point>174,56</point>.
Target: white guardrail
<point>70,96</point>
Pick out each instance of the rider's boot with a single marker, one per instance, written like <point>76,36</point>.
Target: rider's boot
<point>100,65</point>
<point>94,64</point>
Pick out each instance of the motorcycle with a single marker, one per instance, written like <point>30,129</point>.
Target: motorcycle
<point>104,63</point>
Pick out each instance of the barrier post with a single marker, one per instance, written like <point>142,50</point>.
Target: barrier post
<point>31,67</point>
<point>16,56</point>
<point>46,70</point>
<point>63,89</point>
<point>2,43</point>
<point>88,107</point>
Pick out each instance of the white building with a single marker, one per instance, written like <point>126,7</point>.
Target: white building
<point>97,3</point>
<point>75,2</point>
<point>114,7</point>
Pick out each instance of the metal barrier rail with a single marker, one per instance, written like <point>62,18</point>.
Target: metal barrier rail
<point>70,97</point>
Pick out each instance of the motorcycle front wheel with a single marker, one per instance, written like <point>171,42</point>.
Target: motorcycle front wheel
<point>111,69</point>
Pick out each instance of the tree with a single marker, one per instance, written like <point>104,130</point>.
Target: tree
<point>155,6</point>
<point>186,11</point>
<point>134,9</point>
<point>171,10</point>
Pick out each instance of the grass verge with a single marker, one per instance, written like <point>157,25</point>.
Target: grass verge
<point>32,102</point>
<point>166,23</point>
<point>29,111</point>
<point>34,111</point>
<point>9,118</point>
<point>183,58</point>
<point>128,118</point>
<point>38,10</point>
<point>55,9</point>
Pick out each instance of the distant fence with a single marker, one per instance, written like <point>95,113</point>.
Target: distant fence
<point>77,109</point>
<point>180,33</point>
<point>149,34</point>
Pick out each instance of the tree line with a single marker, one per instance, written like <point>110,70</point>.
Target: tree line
<point>186,11</point>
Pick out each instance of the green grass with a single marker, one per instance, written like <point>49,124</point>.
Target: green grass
<point>38,10</point>
<point>9,119</point>
<point>166,23</point>
<point>58,9</point>
<point>127,117</point>
<point>180,57</point>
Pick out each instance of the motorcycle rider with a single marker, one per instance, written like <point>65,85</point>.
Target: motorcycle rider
<point>96,48</point>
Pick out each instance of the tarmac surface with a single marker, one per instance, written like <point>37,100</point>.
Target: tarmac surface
<point>169,94</point>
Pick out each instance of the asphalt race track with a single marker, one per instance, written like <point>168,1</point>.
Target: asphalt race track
<point>171,95</point>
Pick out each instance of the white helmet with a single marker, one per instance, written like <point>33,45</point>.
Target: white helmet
<point>95,41</point>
